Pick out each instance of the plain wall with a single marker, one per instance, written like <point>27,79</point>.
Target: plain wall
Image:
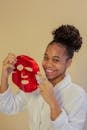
<point>25,28</point>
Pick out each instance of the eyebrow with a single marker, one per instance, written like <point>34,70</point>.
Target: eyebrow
<point>53,56</point>
<point>57,57</point>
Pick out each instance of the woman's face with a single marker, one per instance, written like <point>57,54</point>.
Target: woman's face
<point>55,62</point>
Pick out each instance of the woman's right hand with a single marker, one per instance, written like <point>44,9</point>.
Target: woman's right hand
<point>8,65</point>
<point>7,68</point>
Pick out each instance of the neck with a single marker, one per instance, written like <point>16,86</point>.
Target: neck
<point>57,80</point>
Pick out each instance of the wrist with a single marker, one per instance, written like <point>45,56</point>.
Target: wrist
<point>55,107</point>
<point>4,84</point>
<point>55,110</point>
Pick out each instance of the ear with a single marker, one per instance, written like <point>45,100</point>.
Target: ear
<point>69,61</point>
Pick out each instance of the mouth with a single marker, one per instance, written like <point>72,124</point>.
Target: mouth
<point>49,71</point>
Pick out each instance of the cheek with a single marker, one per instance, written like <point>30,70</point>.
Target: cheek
<point>63,67</point>
<point>43,64</point>
<point>59,66</point>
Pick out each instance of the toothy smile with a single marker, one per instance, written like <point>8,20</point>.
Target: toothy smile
<point>49,70</point>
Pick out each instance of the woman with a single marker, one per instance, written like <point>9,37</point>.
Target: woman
<point>58,104</point>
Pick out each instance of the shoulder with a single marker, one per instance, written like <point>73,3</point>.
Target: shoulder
<point>74,89</point>
<point>74,94</point>
<point>77,90</point>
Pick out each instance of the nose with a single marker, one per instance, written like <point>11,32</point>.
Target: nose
<point>49,63</point>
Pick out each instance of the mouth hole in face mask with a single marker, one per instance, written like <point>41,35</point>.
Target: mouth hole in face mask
<point>24,82</point>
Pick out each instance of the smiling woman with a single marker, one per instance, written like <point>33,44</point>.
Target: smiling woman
<point>58,103</point>
<point>25,27</point>
<point>59,52</point>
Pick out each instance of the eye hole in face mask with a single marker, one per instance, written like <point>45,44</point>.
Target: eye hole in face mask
<point>29,69</point>
<point>20,67</point>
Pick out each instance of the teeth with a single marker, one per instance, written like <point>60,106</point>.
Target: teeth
<point>48,70</point>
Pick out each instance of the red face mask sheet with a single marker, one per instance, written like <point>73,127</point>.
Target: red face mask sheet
<point>24,73</point>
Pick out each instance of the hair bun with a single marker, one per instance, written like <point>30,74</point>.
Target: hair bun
<point>68,35</point>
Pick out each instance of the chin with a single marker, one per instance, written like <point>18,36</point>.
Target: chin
<point>50,78</point>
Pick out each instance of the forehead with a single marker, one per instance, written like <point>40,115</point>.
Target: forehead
<point>55,50</point>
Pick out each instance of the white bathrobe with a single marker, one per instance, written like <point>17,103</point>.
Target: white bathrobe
<point>71,97</point>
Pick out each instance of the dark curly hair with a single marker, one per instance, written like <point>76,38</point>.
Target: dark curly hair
<point>68,36</point>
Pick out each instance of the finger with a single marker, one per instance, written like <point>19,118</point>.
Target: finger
<point>40,78</point>
<point>10,59</point>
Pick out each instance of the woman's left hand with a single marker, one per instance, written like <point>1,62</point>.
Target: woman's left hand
<point>46,90</point>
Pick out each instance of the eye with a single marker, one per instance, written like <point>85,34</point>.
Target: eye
<point>56,60</point>
<point>20,67</point>
<point>29,69</point>
<point>45,58</point>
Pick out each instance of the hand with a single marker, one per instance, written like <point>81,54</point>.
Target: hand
<point>46,90</point>
<point>8,64</point>
<point>7,68</point>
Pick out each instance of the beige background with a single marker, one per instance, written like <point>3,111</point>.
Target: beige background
<point>25,28</point>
